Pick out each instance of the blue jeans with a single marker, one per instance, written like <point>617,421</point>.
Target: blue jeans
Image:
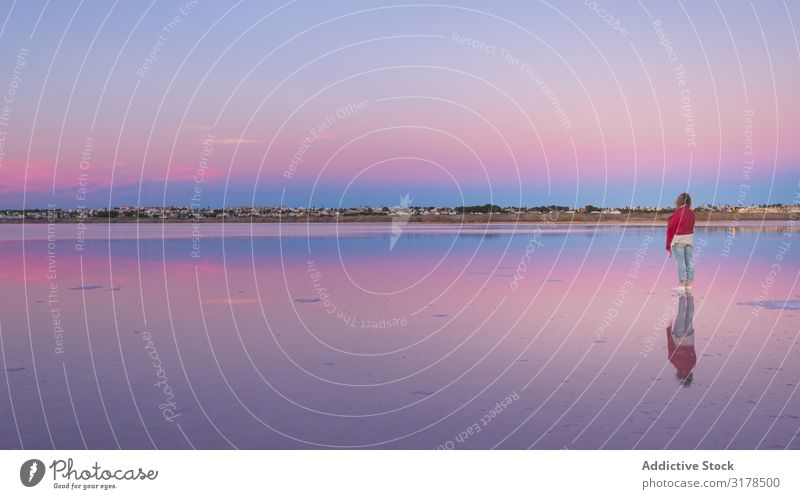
<point>683,255</point>
<point>684,321</point>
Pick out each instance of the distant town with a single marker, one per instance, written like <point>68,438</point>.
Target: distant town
<point>377,213</point>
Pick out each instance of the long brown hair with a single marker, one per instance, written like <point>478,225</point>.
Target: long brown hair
<point>683,198</point>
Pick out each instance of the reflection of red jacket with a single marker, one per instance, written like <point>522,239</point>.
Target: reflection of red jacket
<point>683,357</point>
<point>680,222</point>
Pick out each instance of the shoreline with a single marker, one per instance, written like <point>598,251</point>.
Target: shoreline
<point>525,218</point>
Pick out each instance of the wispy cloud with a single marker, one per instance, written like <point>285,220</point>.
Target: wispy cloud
<point>196,126</point>
<point>234,141</point>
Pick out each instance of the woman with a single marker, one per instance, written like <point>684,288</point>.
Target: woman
<point>680,231</point>
<point>680,341</point>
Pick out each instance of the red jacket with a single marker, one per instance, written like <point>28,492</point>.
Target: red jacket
<point>680,222</point>
<point>683,357</point>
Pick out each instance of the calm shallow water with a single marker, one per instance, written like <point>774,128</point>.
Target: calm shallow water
<point>409,336</point>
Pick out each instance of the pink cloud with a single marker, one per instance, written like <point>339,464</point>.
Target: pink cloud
<point>70,178</point>
<point>197,126</point>
<point>233,141</point>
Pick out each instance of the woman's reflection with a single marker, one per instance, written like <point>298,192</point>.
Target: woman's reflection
<point>680,341</point>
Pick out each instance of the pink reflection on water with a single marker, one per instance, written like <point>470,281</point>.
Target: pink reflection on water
<point>292,342</point>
